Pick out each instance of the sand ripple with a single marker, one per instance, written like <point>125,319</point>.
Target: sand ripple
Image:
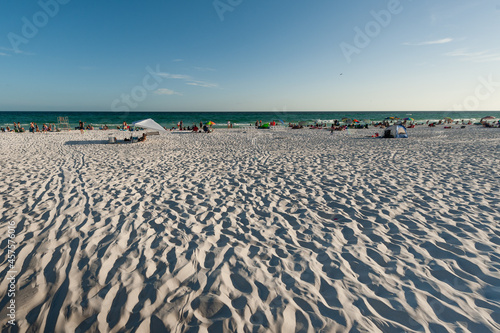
<point>293,231</point>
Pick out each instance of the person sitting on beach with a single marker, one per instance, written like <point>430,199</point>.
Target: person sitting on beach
<point>195,128</point>
<point>143,138</point>
<point>206,129</point>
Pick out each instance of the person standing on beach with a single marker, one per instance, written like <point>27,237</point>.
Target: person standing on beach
<point>82,124</point>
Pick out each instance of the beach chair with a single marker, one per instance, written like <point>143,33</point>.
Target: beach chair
<point>62,124</point>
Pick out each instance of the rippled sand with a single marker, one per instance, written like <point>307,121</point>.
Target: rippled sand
<point>254,231</point>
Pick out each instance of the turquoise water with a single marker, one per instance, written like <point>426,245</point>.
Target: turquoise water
<point>170,119</point>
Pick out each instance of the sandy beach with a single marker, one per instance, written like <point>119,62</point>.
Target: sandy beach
<point>252,231</point>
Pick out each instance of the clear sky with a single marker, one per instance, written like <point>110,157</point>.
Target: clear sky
<point>250,55</point>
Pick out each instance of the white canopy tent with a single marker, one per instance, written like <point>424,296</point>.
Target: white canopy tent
<point>149,124</point>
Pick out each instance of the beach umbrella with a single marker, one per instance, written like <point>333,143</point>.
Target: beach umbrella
<point>347,120</point>
<point>488,118</point>
<point>356,121</point>
<point>149,124</point>
<point>210,123</point>
<point>410,119</point>
<point>281,121</point>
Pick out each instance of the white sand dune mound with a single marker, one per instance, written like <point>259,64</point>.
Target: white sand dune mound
<point>253,231</point>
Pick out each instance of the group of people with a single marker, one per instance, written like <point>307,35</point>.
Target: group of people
<point>33,128</point>
<point>140,139</point>
<point>491,125</point>
<point>17,128</point>
<point>202,128</point>
<point>207,128</point>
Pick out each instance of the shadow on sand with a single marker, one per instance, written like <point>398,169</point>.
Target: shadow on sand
<point>88,142</point>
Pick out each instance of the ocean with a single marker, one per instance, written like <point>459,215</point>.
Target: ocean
<point>170,119</point>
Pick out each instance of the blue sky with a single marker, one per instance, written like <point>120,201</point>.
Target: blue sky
<point>242,55</point>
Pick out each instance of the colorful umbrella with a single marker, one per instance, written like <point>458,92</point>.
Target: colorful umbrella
<point>210,123</point>
<point>410,119</point>
<point>356,121</point>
